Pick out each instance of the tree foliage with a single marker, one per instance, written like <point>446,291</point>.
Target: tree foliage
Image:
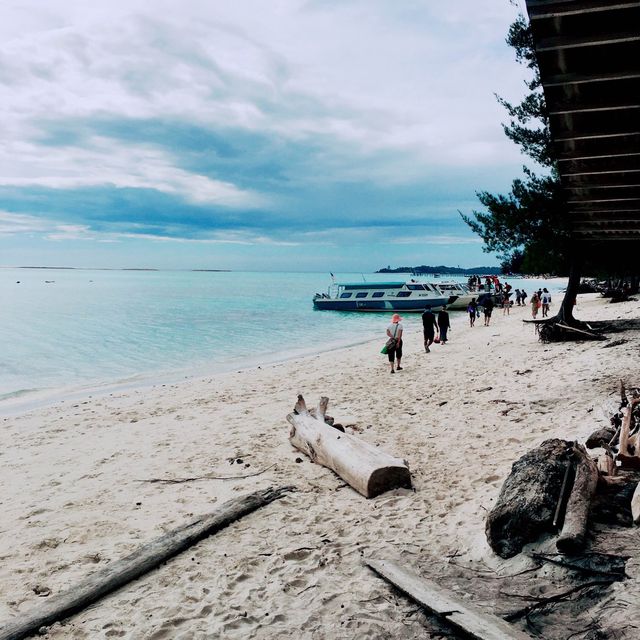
<point>531,219</point>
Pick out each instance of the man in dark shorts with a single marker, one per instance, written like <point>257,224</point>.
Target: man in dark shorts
<point>487,305</point>
<point>429,326</point>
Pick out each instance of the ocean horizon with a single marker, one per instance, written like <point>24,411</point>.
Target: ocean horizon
<point>74,328</point>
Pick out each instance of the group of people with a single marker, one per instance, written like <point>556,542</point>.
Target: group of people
<point>540,300</point>
<point>435,329</point>
<point>473,309</point>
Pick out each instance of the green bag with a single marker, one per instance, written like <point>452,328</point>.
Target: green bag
<point>384,349</point>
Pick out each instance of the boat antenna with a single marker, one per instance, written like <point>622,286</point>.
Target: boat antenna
<point>363,278</point>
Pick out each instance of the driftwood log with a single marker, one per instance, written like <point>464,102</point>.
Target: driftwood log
<point>529,497</point>
<point>472,621</point>
<point>145,558</point>
<point>364,467</point>
<point>573,536</point>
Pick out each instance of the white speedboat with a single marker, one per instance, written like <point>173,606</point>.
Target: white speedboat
<point>408,297</point>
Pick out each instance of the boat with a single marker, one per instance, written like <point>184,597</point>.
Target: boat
<point>408,297</point>
<point>461,291</point>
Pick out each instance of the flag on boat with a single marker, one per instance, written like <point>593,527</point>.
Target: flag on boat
<point>333,278</point>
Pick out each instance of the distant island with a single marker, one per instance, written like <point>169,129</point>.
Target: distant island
<point>423,268</point>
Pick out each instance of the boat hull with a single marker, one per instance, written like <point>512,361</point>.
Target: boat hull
<point>406,306</point>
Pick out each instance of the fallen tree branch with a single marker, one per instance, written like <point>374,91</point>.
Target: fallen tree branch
<point>590,334</point>
<point>543,602</point>
<point>142,560</point>
<point>207,477</point>
<point>598,564</point>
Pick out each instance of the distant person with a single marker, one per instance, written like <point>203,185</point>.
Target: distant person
<point>429,327</point>
<point>535,305</point>
<point>523,296</point>
<point>518,297</point>
<point>506,303</point>
<point>545,301</point>
<point>444,324</point>
<point>394,330</point>
<point>472,310</point>
<point>487,307</point>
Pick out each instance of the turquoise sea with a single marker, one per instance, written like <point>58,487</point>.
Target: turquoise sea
<point>76,328</point>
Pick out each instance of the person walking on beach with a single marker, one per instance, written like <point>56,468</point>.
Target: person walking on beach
<point>444,324</point>
<point>535,303</point>
<point>472,310</point>
<point>546,301</point>
<point>429,327</point>
<point>523,297</point>
<point>394,330</point>
<point>487,306</point>
<point>506,303</point>
<point>518,297</point>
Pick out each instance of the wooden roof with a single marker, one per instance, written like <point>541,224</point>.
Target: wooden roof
<point>589,57</point>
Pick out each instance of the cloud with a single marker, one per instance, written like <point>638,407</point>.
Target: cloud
<point>186,122</point>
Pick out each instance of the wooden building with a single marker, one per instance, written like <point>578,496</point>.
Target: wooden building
<point>589,58</point>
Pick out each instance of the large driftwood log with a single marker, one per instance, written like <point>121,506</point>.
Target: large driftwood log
<point>366,468</point>
<point>574,531</point>
<point>527,502</point>
<point>141,561</point>
<point>460,613</point>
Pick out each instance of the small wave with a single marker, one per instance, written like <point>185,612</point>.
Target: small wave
<point>17,394</point>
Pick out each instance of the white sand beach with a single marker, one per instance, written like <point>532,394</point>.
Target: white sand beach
<point>72,497</point>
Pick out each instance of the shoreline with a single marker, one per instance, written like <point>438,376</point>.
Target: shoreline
<point>27,400</point>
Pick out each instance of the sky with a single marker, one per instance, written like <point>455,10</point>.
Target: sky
<point>301,135</point>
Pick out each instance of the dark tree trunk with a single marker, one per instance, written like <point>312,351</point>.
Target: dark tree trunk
<point>565,313</point>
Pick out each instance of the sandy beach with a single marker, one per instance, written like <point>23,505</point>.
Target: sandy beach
<point>74,497</point>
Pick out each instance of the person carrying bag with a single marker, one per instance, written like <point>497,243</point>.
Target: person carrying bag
<point>393,346</point>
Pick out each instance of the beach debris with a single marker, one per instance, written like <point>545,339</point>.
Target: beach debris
<point>461,614</point>
<point>600,438</point>
<point>563,474</point>
<point>559,332</point>
<point>614,343</point>
<point>141,561</point>
<point>528,500</point>
<point>572,538</point>
<point>592,563</point>
<point>209,476</point>
<point>558,597</point>
<point>363,466</point>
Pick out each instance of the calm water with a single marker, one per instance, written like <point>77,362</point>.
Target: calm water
<point>88,328</point>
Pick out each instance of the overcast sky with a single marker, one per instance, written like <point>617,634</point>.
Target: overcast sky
<point>338,135</point>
